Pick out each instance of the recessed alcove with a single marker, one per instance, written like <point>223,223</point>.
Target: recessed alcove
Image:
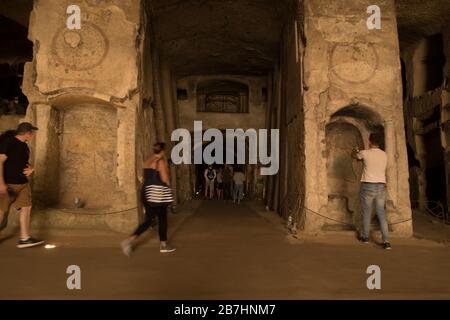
<point>348,128</point>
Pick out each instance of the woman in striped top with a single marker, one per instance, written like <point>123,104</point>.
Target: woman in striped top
<point>156,196</point>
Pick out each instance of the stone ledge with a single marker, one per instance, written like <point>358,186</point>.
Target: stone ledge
<point>62,218</point>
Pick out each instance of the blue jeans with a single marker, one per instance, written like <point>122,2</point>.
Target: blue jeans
<point>238,192</point>
<point>369,193</point>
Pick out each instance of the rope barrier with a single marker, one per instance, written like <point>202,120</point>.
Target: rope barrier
<point>300,207</point>
<point>183,202</point>
<point>180,204</point>
<point>351,224</point>
<point>98,213</point>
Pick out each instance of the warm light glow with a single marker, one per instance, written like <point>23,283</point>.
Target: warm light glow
<point>50,246</point>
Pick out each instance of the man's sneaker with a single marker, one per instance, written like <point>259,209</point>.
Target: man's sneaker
<point>28,243</point>
<point>127,249</point>
<point>363,239</point>
<point>387,246</point>
<point>166,249</point>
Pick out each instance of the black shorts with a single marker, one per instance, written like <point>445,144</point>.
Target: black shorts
<point>220,185</point>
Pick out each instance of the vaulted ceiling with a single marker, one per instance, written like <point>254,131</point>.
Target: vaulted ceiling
<point>242,36</point>
<point>219,36</point>
<point>417,18</point>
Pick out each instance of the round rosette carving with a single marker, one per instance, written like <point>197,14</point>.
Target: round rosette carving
<point>354,62</point>
<point>81,49</point>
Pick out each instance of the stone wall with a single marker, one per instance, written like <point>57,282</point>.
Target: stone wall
<point>83,87</point>
<point>352,73</point>
<point>286,190</point>
<point>9,122</point>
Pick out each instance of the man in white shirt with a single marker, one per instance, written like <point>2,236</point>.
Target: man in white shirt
<point>239,179</point>
<point>373,187</point>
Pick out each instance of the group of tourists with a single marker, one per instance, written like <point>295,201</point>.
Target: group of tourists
<point>225,182</point>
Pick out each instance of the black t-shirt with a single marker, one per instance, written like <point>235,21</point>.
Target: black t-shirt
<point>18,155</point>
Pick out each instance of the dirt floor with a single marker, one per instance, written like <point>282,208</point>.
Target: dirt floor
<point>225,251</point>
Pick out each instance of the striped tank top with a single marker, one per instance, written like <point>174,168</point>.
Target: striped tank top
<point>155,191</point>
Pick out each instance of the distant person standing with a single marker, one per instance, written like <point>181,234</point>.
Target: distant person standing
<point>220,184</point>
<point>156,196</point>
<point>373,187</point>
<point>228,181</point>
<point>14,186</point>
<point>210,178</point>
<point>239,179</point>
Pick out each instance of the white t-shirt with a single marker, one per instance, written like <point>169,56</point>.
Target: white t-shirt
<point>239,178</point>
<point>375,163</point>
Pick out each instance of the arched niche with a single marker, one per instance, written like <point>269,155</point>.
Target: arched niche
<point>347,129</point>
<point>82,152</point>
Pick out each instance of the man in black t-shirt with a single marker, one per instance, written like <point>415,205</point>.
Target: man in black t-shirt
<point>14,186</point>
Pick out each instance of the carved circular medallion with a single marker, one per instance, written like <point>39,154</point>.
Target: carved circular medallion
<point>81,49</point>
<point>354,62</point>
